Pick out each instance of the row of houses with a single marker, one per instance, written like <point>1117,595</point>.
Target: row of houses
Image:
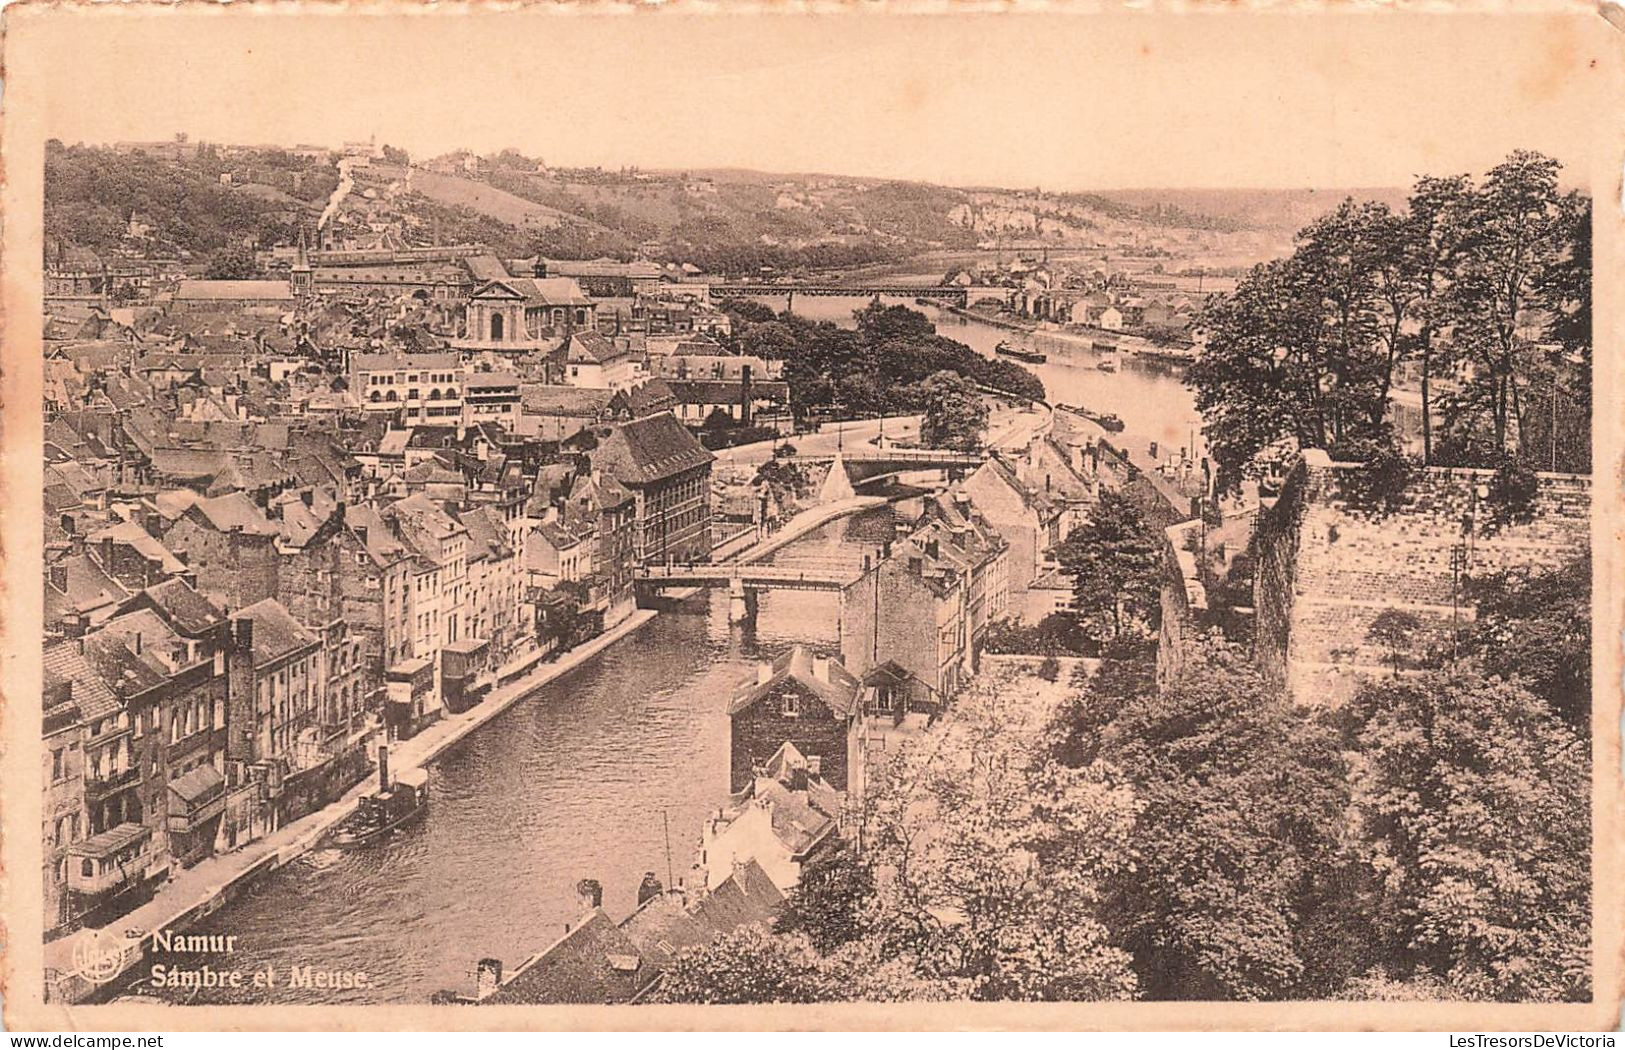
<point>359,577</point>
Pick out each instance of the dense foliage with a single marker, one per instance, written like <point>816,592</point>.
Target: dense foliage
<point>1474,805</point>
<point>955,414</point>
<point>91,193</point>
<point>1238,847</point>
<point>1482,290</point>
<point>1536,630</point>
<point>988,862</point>
<point>883,366</point>
<point>1202,837</point>
<point>1114,560</point>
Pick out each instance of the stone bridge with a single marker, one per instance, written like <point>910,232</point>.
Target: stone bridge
<point>953,296</point>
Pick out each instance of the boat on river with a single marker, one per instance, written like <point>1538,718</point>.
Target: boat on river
<point>1032,357</point>
<point>1109,363</point>
<point>398,802</point>
<point>1105,420</point>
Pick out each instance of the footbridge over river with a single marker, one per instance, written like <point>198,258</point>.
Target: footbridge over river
<point>953,296</point>
<point>749,575</point>
<point>853,580</point>
<point>867,464</point>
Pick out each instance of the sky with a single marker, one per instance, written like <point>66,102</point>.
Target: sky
<point>1066,102</point>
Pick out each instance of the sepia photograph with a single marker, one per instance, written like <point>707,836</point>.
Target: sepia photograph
<point>639,512</point>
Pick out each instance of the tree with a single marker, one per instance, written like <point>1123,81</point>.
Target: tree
<point>1308,349</point>
<point>749,965</point>
<point>1514,236</point>
<point>1561,399</point>
<point>1395,630</point>
<point>231,264</point>
<point>993,856</point>
<point>1474,802</point>
<point>397,157</point>
<point>1431,239</point>
<point>1240,878</point>
<point>955,414</point>
<point>975,873</point>
<point>1115,561</point>
<point>828,902</point>
<point>1536,629</point>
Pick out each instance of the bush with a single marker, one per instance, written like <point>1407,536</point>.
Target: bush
<point>1512,493</point>
<point>1379,486</point>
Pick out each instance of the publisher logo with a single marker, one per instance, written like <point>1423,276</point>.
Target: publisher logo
<point>98,956</point>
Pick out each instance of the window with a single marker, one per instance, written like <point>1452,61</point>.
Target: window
<point>87,868</point>
<point>791,706</point>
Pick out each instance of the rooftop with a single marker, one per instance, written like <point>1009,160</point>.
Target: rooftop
<point>269,291</point>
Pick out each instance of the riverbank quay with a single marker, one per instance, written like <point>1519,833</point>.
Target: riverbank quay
<point>199,891</point>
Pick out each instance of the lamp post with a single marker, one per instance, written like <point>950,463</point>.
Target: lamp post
<point>1458,566</point>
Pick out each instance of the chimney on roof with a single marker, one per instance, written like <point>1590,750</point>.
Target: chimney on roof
<point>591,893</point>
<point>107,553</point>
<point>361,534</point>
<point>820,668</point>
<point>815,765</point>
<point>59,577</point>
<point>138,643</point>
<point>242,634</point>
<point>487,977</point>
<point>308,496</point>
<point>764,671</point>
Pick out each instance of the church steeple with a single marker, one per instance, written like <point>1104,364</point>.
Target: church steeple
<point>303,280</point>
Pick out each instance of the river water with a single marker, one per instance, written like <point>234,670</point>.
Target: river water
<point>593,774</point>
<point>1149,396</point>
<point>579,780</point>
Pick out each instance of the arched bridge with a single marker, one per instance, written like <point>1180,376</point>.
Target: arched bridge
<point>952,295</point>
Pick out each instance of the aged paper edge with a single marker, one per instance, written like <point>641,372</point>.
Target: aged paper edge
<point>22,135</point>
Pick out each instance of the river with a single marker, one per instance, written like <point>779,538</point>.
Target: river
<point>583,778</point>
<point>578,780</point>
<point>1150,396</point>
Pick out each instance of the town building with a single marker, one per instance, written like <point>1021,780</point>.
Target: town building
<point>669,476</point>
<point>267,298</point>
<point>228,544</point>
<point>803,699</point>
<point>424,389</point>
<point>76,702</point>
<point>599,362</point>
<point>165,655</point>
<point>783,816</point>
<point>511,315</point>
